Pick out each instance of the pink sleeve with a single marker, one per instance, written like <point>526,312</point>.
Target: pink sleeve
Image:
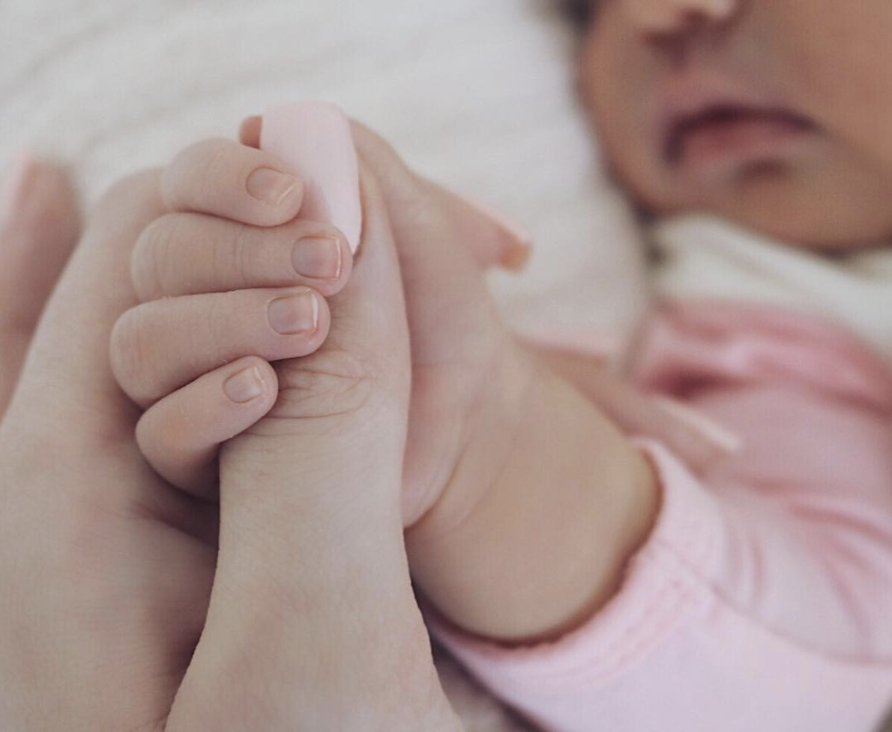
<point>762,598</point>
<point>671,653</point>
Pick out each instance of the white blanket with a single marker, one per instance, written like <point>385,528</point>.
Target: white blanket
<point>477,95</point>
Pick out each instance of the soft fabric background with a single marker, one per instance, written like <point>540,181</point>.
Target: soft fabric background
<point>477,95</point>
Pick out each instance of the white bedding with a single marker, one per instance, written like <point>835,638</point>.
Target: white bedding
<point>477,95</point>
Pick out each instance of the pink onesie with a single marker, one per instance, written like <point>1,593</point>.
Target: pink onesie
<point>762,601</point>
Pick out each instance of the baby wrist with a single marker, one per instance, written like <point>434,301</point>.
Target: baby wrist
<point>538,545</point>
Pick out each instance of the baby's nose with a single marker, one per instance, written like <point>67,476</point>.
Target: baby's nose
<point>662,18</point>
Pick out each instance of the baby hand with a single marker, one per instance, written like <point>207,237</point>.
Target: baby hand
<point>229,281</point>
<point>215,273</point>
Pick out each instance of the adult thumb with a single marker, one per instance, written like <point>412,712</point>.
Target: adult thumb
<point>310,513</point>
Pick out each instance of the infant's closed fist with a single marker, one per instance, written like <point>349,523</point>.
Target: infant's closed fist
<point>230,280</point>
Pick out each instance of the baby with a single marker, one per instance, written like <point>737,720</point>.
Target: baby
<point>587,573</point>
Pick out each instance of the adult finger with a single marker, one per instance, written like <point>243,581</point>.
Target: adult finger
<point>39,227</point>
<point>223,178</point>
<point>181,435</point>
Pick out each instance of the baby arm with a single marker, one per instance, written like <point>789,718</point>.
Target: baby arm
<point>546,505</point>
<point>767,582</point>
<point>757,597</point>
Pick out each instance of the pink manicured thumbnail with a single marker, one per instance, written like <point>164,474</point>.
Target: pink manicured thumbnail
<point>315,140</point>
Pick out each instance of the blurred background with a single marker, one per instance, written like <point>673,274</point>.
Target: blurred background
<point>478,96</point>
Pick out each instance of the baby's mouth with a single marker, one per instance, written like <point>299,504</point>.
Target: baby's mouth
<point>731,133</point>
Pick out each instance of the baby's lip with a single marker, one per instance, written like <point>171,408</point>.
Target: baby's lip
<point>693,105</point>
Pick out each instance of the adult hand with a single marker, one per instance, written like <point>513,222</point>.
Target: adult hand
<point>105,569</point>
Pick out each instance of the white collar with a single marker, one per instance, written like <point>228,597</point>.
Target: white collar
<point>703,256</point>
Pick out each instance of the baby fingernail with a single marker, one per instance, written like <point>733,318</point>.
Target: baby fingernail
<point>294,314</point>
<point>270,186</point>
<point>512,227</point>
<point>245,386</point>
<point>517,257</point>
<point>319,258</point>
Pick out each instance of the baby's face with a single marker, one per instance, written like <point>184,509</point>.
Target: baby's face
<point>776,114</point>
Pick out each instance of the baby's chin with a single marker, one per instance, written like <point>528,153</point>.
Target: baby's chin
<point>821,233</point>
<point>800,206</point>
<point>821,196</point>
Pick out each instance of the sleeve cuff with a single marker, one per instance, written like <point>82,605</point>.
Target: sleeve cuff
<point>666,584</point>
